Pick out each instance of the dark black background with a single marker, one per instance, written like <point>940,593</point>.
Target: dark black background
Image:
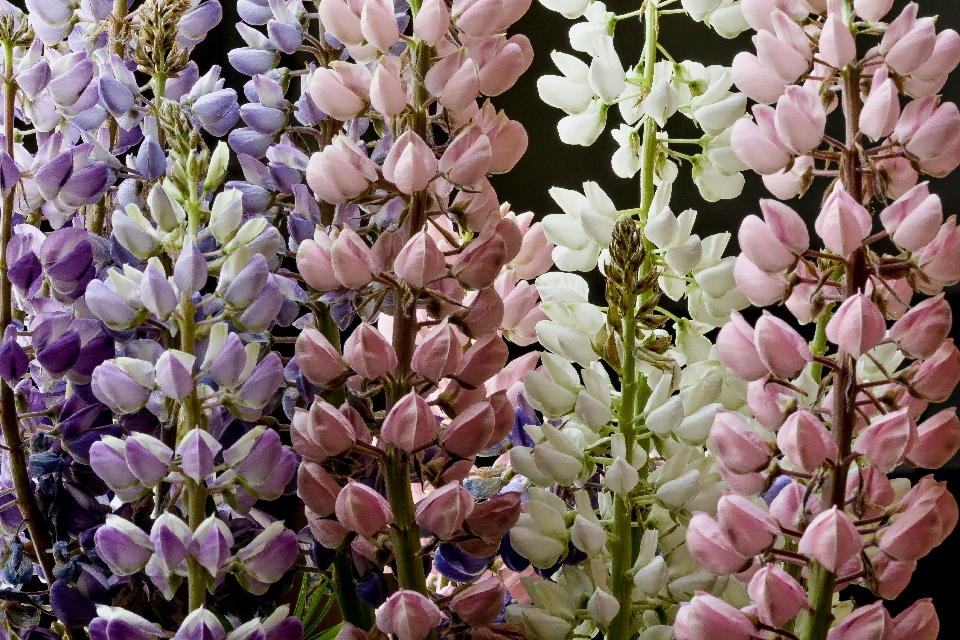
<point>549,163</point>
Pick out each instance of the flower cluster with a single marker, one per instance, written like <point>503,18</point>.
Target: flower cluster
<point>812,508</point>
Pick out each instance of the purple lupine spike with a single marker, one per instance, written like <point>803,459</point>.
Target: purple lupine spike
<point>147,458</point>
<point>260,313</point>
<point>61,354</point>
<point>285,37</point>
<point>250,142</point>
<point>249,283</point>
<point>82,425</point>
<point>123,391</point>
<point>108,461</point>
<point>250,61</point>
<point>200,625</point>
<point>175,374</point>
<point>263,119</point>
<point>51,176</point>
<point>116,97</point>
<point>255,455</point>
<point>229,363</point>
<point>190,271</point>
<point>255,12</point>
<point>454,564</point>
<point>180,86</point>
<point>73,74</point>
<point>197,23</point>
<point>262,383</point>
<point>123,546</point>
<point>108,306</point>
<point>86,185</point>
<point>116,623</point>
<point>151,161</point>
<point>70,606</point>
<point>197,450</point>
<point>93,354</point>
<point>157,294</point>
<point>13,358</point>
<point>172,541</point>
<point>34,79</point>
<point>213,540</point>
<point>9,174</point>
<point>280,479</point>
<point>267,557</point>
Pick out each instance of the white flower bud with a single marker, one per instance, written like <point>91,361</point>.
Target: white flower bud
<point>713,185</point>
<point>666,417</point>
<point>729,22</point>
<point>680,490</point>
<point>523,462</point>
<point>662,102</point>
<point>698,9</point>
<point>568,8</point>
<point>561,467</point>
<point>685,256</point>
<point>695,428</point>
<point>565,93</point>
<point>583,128</point>
<point>602,607</point>
<point>621,478</point>
<point>547,396</point>
<point>588,536</point>
<point>652,578</point>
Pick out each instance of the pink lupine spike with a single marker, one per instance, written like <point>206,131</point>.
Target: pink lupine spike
<point>711,618</point>
<point>410,424</point>
<point>762,247</point>
<point>919,621</point>
<point>411,164</point>
<point>420,262</point>
<point>361,509</point>
<point>778,596</point>
<point>913,48</point>
<point>937,376</point>
<point>747,527</point>
<point>921,331</point>
<point>432,21</point>
<point>709,546</point>
<point>857,326</point>
<point>755,80</point>
<point>805,441</point>
<point>938,439</point>
<point>387,95</point>
<point>735,346</point>
<point>800,119</point>
<point>881,110</point>
<point>871,621</point>
<point>761,287</point>
<point>379,24</point>
<point>943,60</point>
<point>843,223</point>
<point>369,353</point>
<point>781,348</point>
<point>442,512</point>
<point>837,47</point>
<point>872,10</point>
<point>784,61</point>
<point>740,448</point>
<point>887,441</point>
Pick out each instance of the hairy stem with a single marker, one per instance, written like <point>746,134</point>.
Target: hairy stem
<point>625,537</point>
<point>821,582</point>
<point>8,408</point>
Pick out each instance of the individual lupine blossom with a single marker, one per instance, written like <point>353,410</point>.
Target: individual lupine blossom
<point>587,92</point>
<point>378,156</point>
<point>588,475</point>
<point>110,330</point>
<point>812,508</point>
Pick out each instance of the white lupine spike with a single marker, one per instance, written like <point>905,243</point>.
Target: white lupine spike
<point>699,9</point>
<point>666,417</point>
<point>661,392</point>
<point>522,461</point>
<point>547,396</point>
<point>626,159</point>
<point>561,441</point>
<point>599,200</point>
<point>728,21</point>
<point>556,464</point>
<point>567,8</point>
<point>718,279</point>
<point>652,578</point>
<point>714,185</point>
<point>685,256</point>
<point>662,102</point>
<point>588,536</point>
<point>548,521</point>
<point>583,128</point>
<point>695,428</point>
<point>561,371</point>
<point>607,83</point>
<point>566,231</point>
<point>569,343</point>
<point>563,287</point>
<point>663,228</point>
<point>564,93</point>
<point>718,115</point>
<point>602,607</point>
<point>591,411</point>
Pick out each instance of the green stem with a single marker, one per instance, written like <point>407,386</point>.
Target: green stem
<point>633,389</point>
<point>819,344</point>
<point>8,406</point>
<point>352,608</point>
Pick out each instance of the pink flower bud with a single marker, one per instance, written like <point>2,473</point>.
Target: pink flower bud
<point>509,60</point>
<point>886,442</point>
<point>478,266</point>
<point>769,402</point>
<point>749,528</point>
<point>912,534</point>
<point>735,346</point>
<point>779,598</point>
<point>341,90</point>
<point>708,545</point>
<point>914,219</point>
<point>931,494</point>
<point>485,314</point>
<point>442,512</point>
<point>411,164</point>
<point>913,48</point>
<point>387,95</point>
<point>379,24</point>
<point>937,376</point>
<point>432,21</point>
<point>317,488</point>
<point>410,424</point>
<point>789,509</point>
<point>870,487</point>
<point>470,430</point>
<point>805,441</point>
<point>756,81</point>
<point>837,47</point>
<point>508,138</point>
<point>478,18</point>
<point>455,79</point>
<point>938,439</point>
<point>321,433</point>
<point>781,348</point>
<point>882,107</point>
<point>759,149</point>
<point>340,172</point>
<point>361,509</point>
<point>368,353</point>
<point>872,10</point>
<point>801,119</point>
<point>740,448</point>
<point>892,577</point>
<point>484,359</point>
<point>762,248</point>
<point>865,623</point>
<point>467,158</point>
<point>898,176</point>
<point>943,60</point>
<point>784,61</point>
<point>746,484</point>
<point>353,262</point>
<point>710,618</point>
<point>408,615</point>
<point>919,621</point>
<point>843,223</point>
<point>319,361</point>
<point>921,331</point>
<point>927,134</point>
<point>832,539</point>
<point>480,604</point>
<point>857,326</point>
<point>328,532</point>
<point>936,259</point>
<point>760,287</point>
<point>420,262</point>
<point>314,263</point>
<point>340,21</point>
<point>439,354</point>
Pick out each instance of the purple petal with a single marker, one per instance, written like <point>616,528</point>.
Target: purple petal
<point>61,354</point>
<point>250,61</point>
<point>116,97</point>
<point>51,177</point>
<point>151,162</point>
<point>71,608</point>
<point>250,142</point>
<point>249,283</point>
<point>263,382</point>
<point>454,564</point>
<point>13,361</point>
<point>285,37</point>
<point>256,12</point>
<point>261,119</point>
<point>196,24</point>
